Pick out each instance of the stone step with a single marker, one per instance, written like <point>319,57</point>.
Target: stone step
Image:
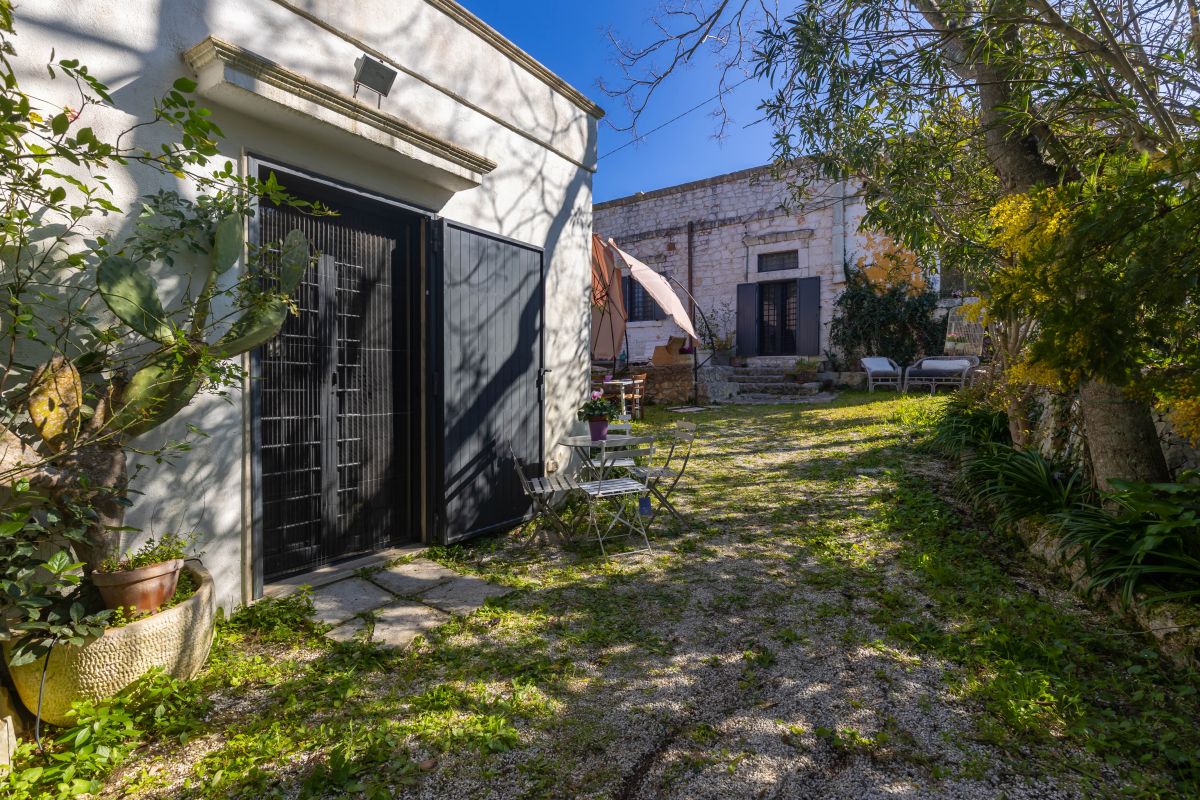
<point>765,377</point>
<point>790,389</point>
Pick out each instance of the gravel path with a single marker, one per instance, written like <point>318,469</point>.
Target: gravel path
<point>779,648</point>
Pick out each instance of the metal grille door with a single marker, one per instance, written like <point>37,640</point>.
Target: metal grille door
<point>777,318</point>
<point>337,390</point>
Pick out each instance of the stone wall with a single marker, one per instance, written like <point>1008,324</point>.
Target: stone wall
<point>1058,434</point>
<point>734,218</point>
<point>669,386</point>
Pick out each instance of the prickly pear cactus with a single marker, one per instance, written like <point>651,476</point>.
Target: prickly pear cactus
<point>165,385</point>
<point>55,397</point>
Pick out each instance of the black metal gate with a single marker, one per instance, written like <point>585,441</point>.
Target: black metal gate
<point>337,393</point>
<point>489,361</point>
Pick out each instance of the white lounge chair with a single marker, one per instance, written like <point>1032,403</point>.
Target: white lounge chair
<point>881,371</point>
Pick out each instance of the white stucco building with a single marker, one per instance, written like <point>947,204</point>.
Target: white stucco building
<point>741,242</point>
<point>465,200</point>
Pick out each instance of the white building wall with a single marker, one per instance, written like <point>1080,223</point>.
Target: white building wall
<point>735,217</point>
<point>458,81</point>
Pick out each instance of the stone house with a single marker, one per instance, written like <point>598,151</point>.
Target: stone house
<point>461,252</point>
<point>749,254</point>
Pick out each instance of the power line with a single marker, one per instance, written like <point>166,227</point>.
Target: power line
<point>694,108</point>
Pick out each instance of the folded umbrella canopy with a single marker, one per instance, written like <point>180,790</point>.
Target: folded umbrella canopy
<point>659,289</point>
<point>608,304</point>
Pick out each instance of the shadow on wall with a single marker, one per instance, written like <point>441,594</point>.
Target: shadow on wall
<point>536,195</point>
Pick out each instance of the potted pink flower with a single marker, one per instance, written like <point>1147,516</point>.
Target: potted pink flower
<point>598,410</point>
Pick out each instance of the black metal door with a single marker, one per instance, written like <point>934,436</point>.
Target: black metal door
<point>489,358</point>
<point>337,393</point>
<point>777,318</point>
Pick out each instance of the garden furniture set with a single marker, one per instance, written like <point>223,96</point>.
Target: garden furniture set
<point>616,477</point>
<point>931,371</point>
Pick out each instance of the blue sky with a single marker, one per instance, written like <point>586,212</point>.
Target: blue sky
<point>568,36</point>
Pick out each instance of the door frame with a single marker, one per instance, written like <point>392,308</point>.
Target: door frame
<point>253,364</point>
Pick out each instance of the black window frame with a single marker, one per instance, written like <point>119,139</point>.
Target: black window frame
<point>794,262</point>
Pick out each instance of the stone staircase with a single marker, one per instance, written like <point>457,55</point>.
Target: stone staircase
<point>769,384</point>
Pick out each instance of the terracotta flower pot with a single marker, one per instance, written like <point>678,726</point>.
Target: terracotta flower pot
<point>144,588</point>
<point>599,428</point>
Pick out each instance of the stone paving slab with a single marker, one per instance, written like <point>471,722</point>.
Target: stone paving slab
<point>395,625</point>
<point>462,595</point>
<point>338,602</point>
<point>414,577</point>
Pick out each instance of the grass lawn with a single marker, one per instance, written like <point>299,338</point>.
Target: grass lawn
<point>832,625</point>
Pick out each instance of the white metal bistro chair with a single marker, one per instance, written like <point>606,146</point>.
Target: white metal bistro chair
<point>622,424</point>
<point>542,491</point>
<point>661,480</point>
<point>610,495</point>
<point>882,371</point>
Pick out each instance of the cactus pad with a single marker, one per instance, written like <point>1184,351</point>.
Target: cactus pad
<point>55,396</point>
<point>131,295</point>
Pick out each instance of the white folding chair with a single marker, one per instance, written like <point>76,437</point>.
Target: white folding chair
<point>682,438</point>
<point>610,495</point>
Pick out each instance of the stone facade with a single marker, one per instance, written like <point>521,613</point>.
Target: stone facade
<point>729,220</point>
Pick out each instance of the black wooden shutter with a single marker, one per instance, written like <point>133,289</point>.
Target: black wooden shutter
<point>747,319</point>
<point>808,317</point>
<point>490,367</point>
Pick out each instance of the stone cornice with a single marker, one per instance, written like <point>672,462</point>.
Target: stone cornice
<point>268,72</point>
<point>490,35</point>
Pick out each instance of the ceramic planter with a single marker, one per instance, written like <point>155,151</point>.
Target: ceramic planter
<point>176,640</point>
<point>598,426</point>
<point>144,588</point>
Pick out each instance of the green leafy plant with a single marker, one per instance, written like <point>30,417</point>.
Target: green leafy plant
<point>1017,484</point>
<point>966,422</point>
<point>154,551</point>
<point>94,356</point>
<point>1151,539</point>
<point>598,406</point>
<point>718,327</point>
<point>893,321</point>
<point>103,737</point>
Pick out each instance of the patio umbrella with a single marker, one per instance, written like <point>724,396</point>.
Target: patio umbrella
<point>658,288</point>
<point>608,304</point>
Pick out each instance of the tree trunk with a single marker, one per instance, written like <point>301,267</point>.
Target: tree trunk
<point>102,471</point>
<point>1121,436</point>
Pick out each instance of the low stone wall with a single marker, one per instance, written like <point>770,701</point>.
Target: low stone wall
<point>1058,433</point>
<point>1174,626</point>
<point>669,386</point>
<point>847,380</point>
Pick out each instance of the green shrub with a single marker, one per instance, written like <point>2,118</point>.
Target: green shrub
<point>1016,484</point>
<point>1153,539</point>
<point>892,321</point>
<point>967,422</point>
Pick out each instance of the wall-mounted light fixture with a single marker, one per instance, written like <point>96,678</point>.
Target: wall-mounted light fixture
<point>374,75</point>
